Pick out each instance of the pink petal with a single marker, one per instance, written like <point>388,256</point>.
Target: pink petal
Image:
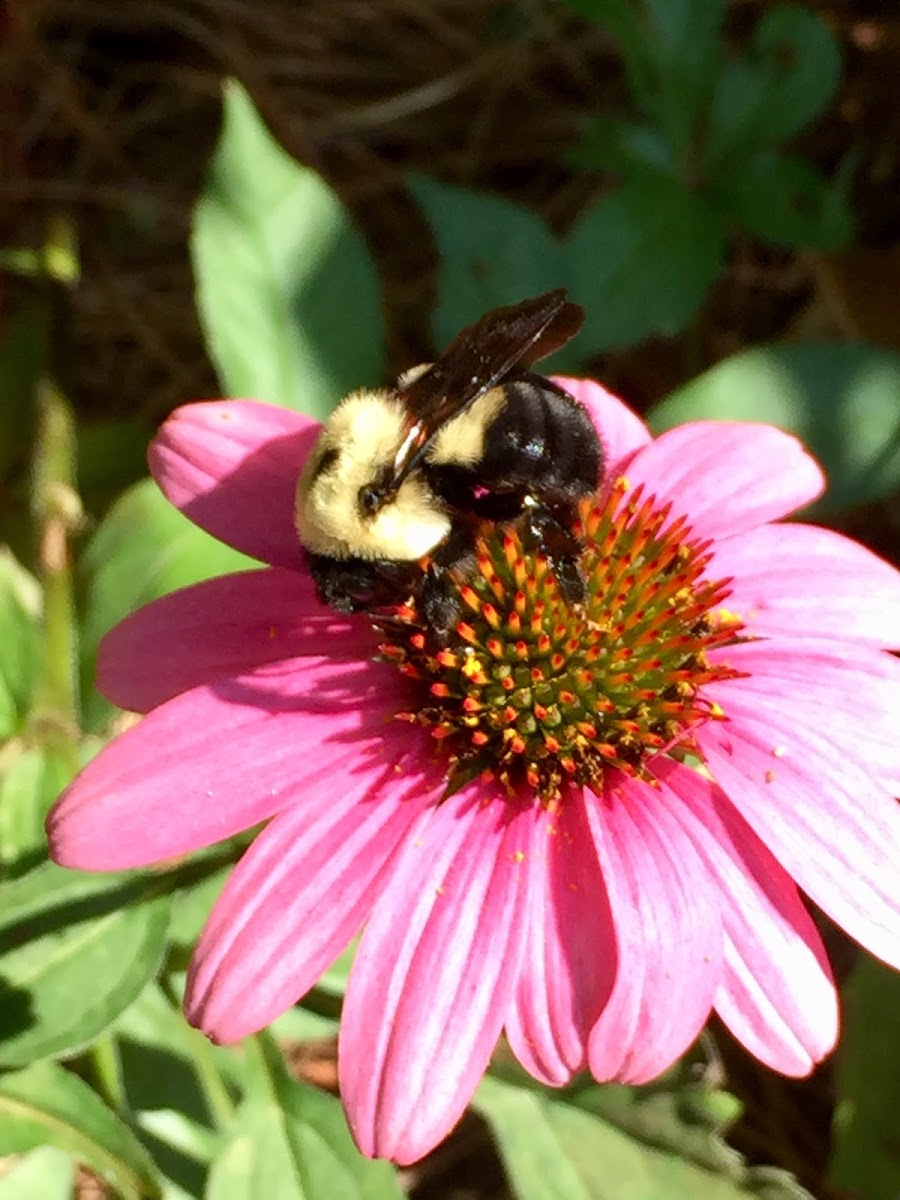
<point>304,889</point>
<point>777,993</point>
<point>570,960</point>
<point>797,579</point>
<point>851,693</point>
<point>232,467</point>
<point>820,813</point>
<point>622,432</point>
<point>220,628</point>
<point>221,758</point>
<point>435,973</point>
<point>668,929</point>
<point>728,476</point>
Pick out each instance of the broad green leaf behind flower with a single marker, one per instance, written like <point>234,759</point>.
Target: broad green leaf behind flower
<point>287,292</point>
<point>143,549</point>
<point>61,932</point>
<point>290,1142</point>
<point>865,1154</point>
<point>842,399</point>
<point>640,260</point>
<point>584,1143</point>
<point>48,1105</point>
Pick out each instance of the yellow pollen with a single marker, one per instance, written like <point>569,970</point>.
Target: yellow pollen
<point>725,616</point>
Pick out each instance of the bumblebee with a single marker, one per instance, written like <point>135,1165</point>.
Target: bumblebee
<point>411,472</point>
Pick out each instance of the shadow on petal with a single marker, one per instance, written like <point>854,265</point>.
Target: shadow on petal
<point>232,467</point>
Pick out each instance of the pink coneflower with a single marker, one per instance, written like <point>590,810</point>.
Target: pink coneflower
<point>583,827</point>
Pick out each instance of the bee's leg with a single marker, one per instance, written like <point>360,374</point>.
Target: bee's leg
<point>553,538</point>
<point>347,585</point>
<point>453,561</point>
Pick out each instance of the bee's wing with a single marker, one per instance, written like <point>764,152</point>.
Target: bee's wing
<point>477,359</point>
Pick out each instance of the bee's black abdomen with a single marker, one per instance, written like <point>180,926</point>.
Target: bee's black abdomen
<point>542,442</point>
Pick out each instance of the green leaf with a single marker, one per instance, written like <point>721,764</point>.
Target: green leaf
<point>689,30</point>
<point>685,41</point>
<point>617,1143</point>
<point>195,886</point>
<point>75,950</point>
<point>44,1174</point>
<point>643,260</point>
<point>20,611</point>
<point>803,60</point>
<point>31,778</point>
<point>623,147</point>
<point>156,1027</point>
<point>622,19</point>
<point>865,1149</point>
<point>787,200</point>
<point>841,399</point>
<point>790,76</point>
<point>287,291</point>
<point>193,904</point>
<point>670,51</point>
<point>45,1105</point>
<point>291,1142</point>
<point>640,261</point>
<point>179,1087</point>
<point>9,718</point>
<point>492,252</point>
<point>306,1023</point>
<point>142,550</point>
<point>112,455</point>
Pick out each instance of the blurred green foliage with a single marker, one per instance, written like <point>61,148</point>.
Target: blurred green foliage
<point>702,156</point>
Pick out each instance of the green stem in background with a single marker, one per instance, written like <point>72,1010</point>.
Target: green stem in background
<point>215,1091</point>
<point>264,1063</point>
<point>221,1105</point>
<point>107,1065</point>
<point>57,514</point>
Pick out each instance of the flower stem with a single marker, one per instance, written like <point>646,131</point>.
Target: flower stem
<point>57,512</point>
<point>221,1107</point>
<point>267,1071</point>
<point>108,1073</point>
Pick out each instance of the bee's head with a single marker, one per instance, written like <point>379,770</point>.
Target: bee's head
<point>344,509</point>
